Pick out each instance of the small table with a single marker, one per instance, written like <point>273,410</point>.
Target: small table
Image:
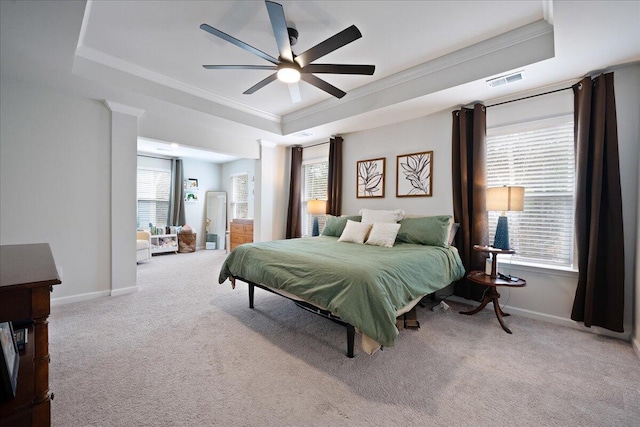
<point>493,281</point>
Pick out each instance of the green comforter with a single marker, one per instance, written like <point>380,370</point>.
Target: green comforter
<point>365,285</point>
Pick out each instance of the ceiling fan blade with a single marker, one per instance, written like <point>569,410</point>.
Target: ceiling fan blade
<point>339,69</point>
<point>279,25</point>
<point>329,45</point>
<point>260,84</point>
<point>294,91</point>
<point>224,36</point>
<point>240,67</point>
<point>321,84</point>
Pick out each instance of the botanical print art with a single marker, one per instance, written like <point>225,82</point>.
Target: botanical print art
<point>370,178</point>
<point>414,174</point>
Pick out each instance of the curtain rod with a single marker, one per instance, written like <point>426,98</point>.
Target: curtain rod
<point>320,143</point>
<point>527,97</point>
<point>315,145</point>
<point>158,156</point>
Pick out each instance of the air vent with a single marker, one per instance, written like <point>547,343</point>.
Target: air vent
<point>503,80</point>
<point>302,134</point>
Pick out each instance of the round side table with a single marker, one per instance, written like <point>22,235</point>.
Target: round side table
<point>493,281</point>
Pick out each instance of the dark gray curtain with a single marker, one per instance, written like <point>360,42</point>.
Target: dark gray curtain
<point>599,296</point>
<point>294,219</point>
<point>176,203</point>
<point>334,190</point>
<point>469,173</point>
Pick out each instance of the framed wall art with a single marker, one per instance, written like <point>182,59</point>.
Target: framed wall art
<point>191,183</point>
<point>414,174</point>
<point>370,178</point>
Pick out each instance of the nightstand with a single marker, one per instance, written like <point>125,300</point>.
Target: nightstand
<point>493,281</point>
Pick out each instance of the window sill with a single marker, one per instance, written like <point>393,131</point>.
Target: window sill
<point>506,262</point>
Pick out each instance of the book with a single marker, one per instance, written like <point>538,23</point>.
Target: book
<point>22,337</point>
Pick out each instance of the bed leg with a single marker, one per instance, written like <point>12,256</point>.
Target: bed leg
<point>351,333</point>
<point>251,290</point>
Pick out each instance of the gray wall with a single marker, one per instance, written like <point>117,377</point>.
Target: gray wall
<point>627,85</point>
<point>55,151</point>
<point>430,133</point>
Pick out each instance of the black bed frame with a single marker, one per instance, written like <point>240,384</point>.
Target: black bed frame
<point>351,331</point>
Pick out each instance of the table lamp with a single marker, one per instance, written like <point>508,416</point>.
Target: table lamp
<point>504,199</point>
<point>316,207</point>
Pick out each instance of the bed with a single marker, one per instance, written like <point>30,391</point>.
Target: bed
<point>363,286</point>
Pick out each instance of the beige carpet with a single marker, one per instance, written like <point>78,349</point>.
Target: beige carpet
<point>186,351</point>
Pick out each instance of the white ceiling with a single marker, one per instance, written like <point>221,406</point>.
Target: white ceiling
<point>165,38</point>
<point>429,56</point>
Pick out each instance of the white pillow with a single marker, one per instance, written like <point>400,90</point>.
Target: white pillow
<point>383,234</point>
<point>370,216</point>
<point>355,232</point>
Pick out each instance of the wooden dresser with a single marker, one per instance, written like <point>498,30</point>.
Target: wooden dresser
<point>27,276</point>
<point>241,232</point>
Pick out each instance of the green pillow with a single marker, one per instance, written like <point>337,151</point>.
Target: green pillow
<point>430,230</point>
<point>334,225</point>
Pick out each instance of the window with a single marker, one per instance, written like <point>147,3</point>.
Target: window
<point>540,157</point>
<point>315,176</point>
<point>240,196</point>
<point>154,189</point>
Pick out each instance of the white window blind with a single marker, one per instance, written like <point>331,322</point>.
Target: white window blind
<point>154,189</point>
<point>540,157</point>
<point>315,176</point>
<point>240,195</point>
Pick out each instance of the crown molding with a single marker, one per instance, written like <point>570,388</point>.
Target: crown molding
<point>416,76</point>
<point>94,55</point>
<point>116,107</point>
<point>268,144</point>
<point>517,36</point>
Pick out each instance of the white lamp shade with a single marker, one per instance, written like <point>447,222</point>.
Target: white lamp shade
<point>317,207</point>
<point>505,198</point>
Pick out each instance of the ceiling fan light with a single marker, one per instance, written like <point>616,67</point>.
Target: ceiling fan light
<point>288,75</point>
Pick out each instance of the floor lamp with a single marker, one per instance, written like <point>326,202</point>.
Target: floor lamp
<point>316,207</point>
<point>504,199</point>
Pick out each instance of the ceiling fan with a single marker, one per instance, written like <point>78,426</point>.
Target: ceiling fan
<point>289,67</point>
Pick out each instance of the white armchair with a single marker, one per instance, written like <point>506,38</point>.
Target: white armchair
<point>143,246</point>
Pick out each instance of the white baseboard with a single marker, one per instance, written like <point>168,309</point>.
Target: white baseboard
<point>93,295</point>
<point>124,291</point>
<point>636,346</point>
<point>553,319</point>
<point>78,298</point>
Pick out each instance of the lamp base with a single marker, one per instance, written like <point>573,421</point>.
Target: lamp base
<point>316,228</point>
<point>501,239</point>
